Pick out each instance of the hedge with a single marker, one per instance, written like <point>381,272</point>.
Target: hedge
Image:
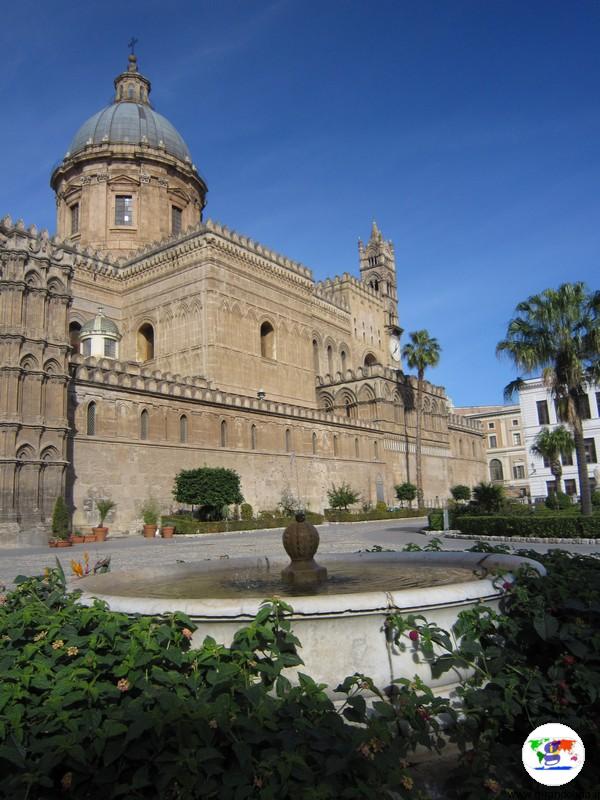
<point>185,524</point>
<point>363,516</point>
<point>552,526</point>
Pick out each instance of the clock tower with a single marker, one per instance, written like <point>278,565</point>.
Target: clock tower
<point>378,270</point>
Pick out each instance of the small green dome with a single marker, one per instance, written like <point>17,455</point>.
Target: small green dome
<point>99,325</point>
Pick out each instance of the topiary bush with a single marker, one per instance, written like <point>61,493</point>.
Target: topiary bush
<point>61,519</point>
<point>543,525</point>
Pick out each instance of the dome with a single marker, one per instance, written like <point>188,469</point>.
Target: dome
<point>99,325</point>
<point>130,123</point>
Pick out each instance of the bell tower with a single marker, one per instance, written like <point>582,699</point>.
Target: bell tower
<point>378,270</point>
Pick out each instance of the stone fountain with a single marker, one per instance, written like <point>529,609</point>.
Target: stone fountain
<point>340,606</point>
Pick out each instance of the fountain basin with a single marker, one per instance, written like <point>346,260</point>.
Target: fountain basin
<point>342,631</point>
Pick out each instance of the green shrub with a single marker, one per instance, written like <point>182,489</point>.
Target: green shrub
<point>61,520</point>
<point>566,526</point>
<point>190,525</point>
<point>381,507</point>
<point>460,492</point>
<point>488,497</point>
<point>596,498</point>
<point>435,520</point>
<point>104,508</point>
<point>246,511</point>
<point>150,511</point>
<point>208,487</point>
<point>99,705</point>
<point>342,496</point>
<point>558,501</point>
<point>406,492</point>
<point>356,516</point>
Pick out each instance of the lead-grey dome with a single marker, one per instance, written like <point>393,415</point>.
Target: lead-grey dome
<point>99,325</point>
<point>130,123</point>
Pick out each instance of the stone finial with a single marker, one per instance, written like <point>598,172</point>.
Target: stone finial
<point>301,541</point>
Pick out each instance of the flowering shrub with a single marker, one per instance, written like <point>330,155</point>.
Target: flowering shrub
<point>94,704</point>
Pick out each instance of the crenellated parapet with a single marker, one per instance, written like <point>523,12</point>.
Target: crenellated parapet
<point>461,423</point>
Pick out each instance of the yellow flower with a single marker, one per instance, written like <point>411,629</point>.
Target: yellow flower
<point>72,651</point>
<point>123,685</point>
<point>493,786</point>
<point>66,781</point>
<point>2,599</point>
<point>39,636</point>
<point>213,723</point>
<point>57,644</point>
<point>407,782</point>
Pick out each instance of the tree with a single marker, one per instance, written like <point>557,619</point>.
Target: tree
<point>342,496</point>
<point>558,332</point>
<point>551,445</point>
<point>406,491</point>
<point>460,492</point>
<point>423,351</point>
<point>60,518</point>
<point>208,487</point>
<point>488,497</point>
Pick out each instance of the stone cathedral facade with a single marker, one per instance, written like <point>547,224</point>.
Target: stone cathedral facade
<point>141,340</point>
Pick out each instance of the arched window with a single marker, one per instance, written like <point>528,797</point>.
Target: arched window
<point>223,434</point>
<point>74,331</point>
<point>460,447</point>
<point>335,445</point>
<point>330,359</point>
<point>267,340</point>
<point>370,360</point>
<point>183,428</point>
<point>253,437</point>
<point>130,92</point>
<point>145,342</point>
<point>348,406</point>
<point>473,448</point>
<point>343,360</point>
<point>356,448</point>
<point>144,424</point>
<point>91,419</point>
<point>288,440</point>
<point>314,443</point>
<point>496,473</point>
<point>315,346</point>
<point>376,450</point>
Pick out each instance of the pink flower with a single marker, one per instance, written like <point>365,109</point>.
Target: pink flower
<point>413,636</point>
<point>123,685</point>
<point>187,633</point>
<point>507,585</point>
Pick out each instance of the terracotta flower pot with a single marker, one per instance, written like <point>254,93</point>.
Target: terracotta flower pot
<point>100,533</point>
<point>78,539</point>
<point>60,543</point>
<point>167,531</point>
<point>149,531</point>
<point>89,537</point>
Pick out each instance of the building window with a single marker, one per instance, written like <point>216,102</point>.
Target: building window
<point>183,428</point>
<point>335,445</point>
<point>583,403</point>
<point>75,219</point>
<point>598,403</point>
<point>86,347</point>
<point>542,412</point>
<point>571,487</point>
<point>288,440</point>
<point>253,437</point>
<point>110,348</point>
<point>145,342</point>
<point>175,220</point>
<point>515,422</point>
<point>518,472</point>
<point>473,448</point>
<point>330,359</point>
<point>516,438</point>
<point>356,448</point>
<point>343,360</point>
<point>590,451</point>
<point>491,425</point>
<point>223,434</point>
<point>376,450</point>
<point>496,472</point>
<point>74,332</point>
<point>144,424</point>
<point>91,419</point>
<point>567,459</point>
<point>492,442</point>
<point>267,340</point>
<point>550,488</point>
<point>315,346</point>
<point>546,462</point>
<point>123,209</point>
<point>314,443</point>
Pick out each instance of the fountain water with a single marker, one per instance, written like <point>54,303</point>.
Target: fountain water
<point>339,606</point>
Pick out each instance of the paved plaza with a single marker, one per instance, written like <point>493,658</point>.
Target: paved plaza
<point>131,551</point>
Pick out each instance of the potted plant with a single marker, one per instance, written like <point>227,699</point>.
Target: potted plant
<point>78,537</point>
<point>103,506</point>
<point>150,515</point>
<point>167,530</point>
<point>60,524</point>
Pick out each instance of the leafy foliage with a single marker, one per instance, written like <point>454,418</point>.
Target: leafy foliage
<point>208,487</point>
<point>60,519</point>
<point>406,492</point>
<point>557,501</point>
<point>150,511</point>
<point>488,497</point>
<point>565,525</point>
<point>246,511</point>
<point>104,507</point>
<point>460,492</point>
<point>96,705</point>
<point>342,496</point>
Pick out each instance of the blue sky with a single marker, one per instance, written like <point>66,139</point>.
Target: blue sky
<point>468,130</point>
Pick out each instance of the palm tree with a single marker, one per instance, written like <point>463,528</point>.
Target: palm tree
<point>422,352</point>
<point>558,331</point>
<point>551,444</point>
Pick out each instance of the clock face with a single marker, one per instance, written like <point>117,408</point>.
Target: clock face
<point>395,348</point>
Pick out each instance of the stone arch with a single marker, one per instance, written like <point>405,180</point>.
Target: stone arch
<point>347,403</point>
<point>50,453</point>
<point>56,286</point>
<point>144,424</point>
<point>145,341</point>
<point>366,401</point>
<point>33,279</point>
<point>29,361</point>
<point>52,367</point>
<point>370,360</point>
<point>326,402</point>
<point>25,452</point>
<point>267,339</point>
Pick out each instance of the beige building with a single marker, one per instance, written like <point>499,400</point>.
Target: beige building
<point>142,340</point>
<point>505,450</point>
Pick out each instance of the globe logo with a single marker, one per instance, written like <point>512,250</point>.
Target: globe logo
<point>553,754</point>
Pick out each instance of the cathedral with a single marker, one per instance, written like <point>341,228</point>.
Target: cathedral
<point>142,339</point>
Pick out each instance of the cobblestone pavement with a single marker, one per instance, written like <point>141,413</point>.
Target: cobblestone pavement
<point>127,552</point>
